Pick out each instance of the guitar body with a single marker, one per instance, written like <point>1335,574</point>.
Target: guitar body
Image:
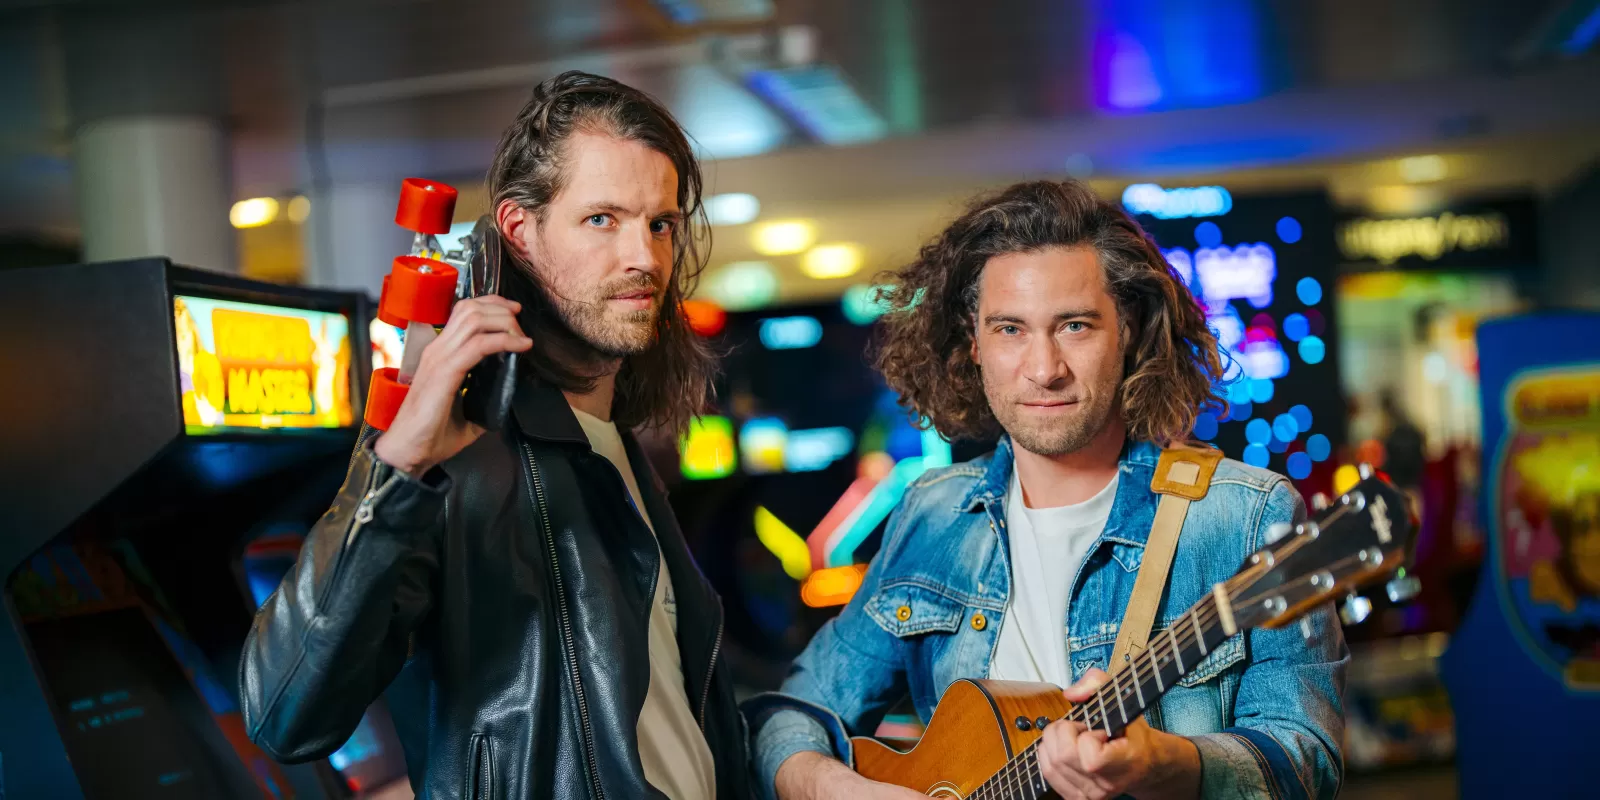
<point>973,734</point>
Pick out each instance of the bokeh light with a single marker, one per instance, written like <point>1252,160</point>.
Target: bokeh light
<point>1205,426</point>
<point>1289,230</point>
<point>1318,447</point>
<point>1261,390</point>
<point>1312,350</point>
<point>1285,428</point>
<point>1296,327</point>
<point>1256,456</point>
<point>1259,431</point>
<point>1302,417</point>
<point>1309,290</point>
<point>1207,234</point>
<point>1299,466</point>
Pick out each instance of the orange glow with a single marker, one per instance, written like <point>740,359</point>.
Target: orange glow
<point>705,317</point>
<point>874,466</point>
<point>833,586</point>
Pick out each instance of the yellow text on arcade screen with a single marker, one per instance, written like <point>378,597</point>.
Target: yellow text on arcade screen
<point>245,366</point>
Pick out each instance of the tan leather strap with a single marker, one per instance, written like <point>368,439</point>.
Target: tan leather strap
<point>1182,476</point>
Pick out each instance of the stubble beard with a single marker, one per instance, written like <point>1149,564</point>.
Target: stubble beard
<point>1053,438</point>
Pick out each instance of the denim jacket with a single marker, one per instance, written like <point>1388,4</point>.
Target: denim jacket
<point>1264,709</point>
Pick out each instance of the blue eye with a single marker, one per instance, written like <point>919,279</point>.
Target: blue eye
<point>597,220</point>
<point>1077,327</point>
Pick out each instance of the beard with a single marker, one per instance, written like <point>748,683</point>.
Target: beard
<point>610,334</point>
<point>1066,432</point>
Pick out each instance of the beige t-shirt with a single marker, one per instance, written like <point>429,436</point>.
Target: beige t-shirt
<point>672,748</point>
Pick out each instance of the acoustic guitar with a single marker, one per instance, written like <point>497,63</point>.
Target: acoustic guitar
<point>982,739</point>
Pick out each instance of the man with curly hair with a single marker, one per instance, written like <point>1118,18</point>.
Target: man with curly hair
<point>1046,318</point>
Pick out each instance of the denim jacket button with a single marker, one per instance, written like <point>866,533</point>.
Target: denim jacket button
<point>902,613</point>
<point>979,621</point>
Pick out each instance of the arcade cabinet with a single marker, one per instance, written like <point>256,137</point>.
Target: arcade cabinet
<point>169,435</point>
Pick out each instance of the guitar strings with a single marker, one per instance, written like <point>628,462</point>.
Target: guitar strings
<point>1206,615</point>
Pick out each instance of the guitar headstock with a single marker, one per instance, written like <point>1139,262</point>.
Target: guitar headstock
<point>1361,537</point>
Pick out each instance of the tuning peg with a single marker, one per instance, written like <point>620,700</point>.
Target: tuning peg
<point>1319,502</point>
<point>1355,609</point>
<point>1364,470</point>
<point>1402,588</point>
<point>1278,531</point>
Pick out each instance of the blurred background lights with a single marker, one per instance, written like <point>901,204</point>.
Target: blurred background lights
<point>790,333</point>
<point>1205,426</point>
<point>783,238</point>
<point>861,304</point>
<point>253,213</point>
<point>1260,390</point>
<point>1239,412</point>
<point>1299,466</point>
<point>1284,428</point>
<point>1256,456</point>
<point>831,261</point>
<point>1207,234</point>
<point>1309,290</point>
<point>736,208</point>
<point>743,285</point>
<point>1422,169</point>
<point>1258,431</point>
<point>1312,350</point>
<point>1302,417</point>
<point>1296,327</point>
<point>298,209</point>
<point>1289,230</point>
<point>1434,368</point>
<point>1318,447</point>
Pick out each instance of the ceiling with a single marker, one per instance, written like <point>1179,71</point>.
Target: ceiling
<point>872,117</point>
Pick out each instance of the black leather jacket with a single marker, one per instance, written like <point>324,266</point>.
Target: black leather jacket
<point>503,603</point>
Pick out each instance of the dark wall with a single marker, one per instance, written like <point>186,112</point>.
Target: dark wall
<point>1571,274</point>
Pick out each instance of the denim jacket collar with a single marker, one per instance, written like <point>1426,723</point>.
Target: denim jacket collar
<point>1132,513</point>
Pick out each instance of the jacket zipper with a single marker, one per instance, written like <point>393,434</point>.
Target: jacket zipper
<point>536,488</point>
<point>705,696</point>
<point>363,515</point>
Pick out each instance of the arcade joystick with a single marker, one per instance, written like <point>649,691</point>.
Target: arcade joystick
<point>417,293</point>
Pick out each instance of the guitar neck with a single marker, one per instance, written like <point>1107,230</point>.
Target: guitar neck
<point>1146,676</point>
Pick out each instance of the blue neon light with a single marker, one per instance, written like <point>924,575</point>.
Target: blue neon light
<point>1161,54</point>
<point>790,333</point>
<point>1584,35</point>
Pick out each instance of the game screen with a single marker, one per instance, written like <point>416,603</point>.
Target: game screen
<point>244,366</point>
<point>132,719</point>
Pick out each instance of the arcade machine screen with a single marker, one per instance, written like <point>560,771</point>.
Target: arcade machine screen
<point>246,366</point>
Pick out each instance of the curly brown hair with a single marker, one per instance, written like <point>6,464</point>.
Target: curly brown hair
<point>669,384</point>
<point>1170,363</point>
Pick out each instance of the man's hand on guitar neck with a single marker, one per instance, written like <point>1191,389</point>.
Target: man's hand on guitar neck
<point>814,776</point>
<point>1143,762</point>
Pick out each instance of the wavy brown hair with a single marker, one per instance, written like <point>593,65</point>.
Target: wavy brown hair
<point>1170,361</point>
<point>669,384</point>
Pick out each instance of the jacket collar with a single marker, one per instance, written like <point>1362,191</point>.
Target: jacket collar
<point>543,414</point>
<point>1132,512</point>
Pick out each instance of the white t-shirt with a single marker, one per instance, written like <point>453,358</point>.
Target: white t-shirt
<point>672,749</point>
<point>1047,547</point>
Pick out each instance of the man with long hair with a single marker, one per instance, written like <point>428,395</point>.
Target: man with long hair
<point>525,597</point>
<point>1046,318</point>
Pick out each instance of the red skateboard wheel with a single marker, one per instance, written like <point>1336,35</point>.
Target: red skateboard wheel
<point>425,206</point>
<point>419,290</point>
<point>383,307</point>
<point>384,397</point>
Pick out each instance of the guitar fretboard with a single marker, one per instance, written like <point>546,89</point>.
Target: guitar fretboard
<point>1169,656</point>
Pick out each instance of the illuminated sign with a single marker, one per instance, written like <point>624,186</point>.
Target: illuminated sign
<point>790,333</point>
<point>1195,201</point>
<point>250,366</point>
<point>1389,240</point>
<point>706,451</point>
<point>814,449</point>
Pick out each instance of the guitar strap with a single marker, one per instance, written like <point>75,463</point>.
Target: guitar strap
<point>1182,476</point>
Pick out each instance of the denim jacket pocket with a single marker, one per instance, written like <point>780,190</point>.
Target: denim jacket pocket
<point>909,609</point>
<point>1223,656</point>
